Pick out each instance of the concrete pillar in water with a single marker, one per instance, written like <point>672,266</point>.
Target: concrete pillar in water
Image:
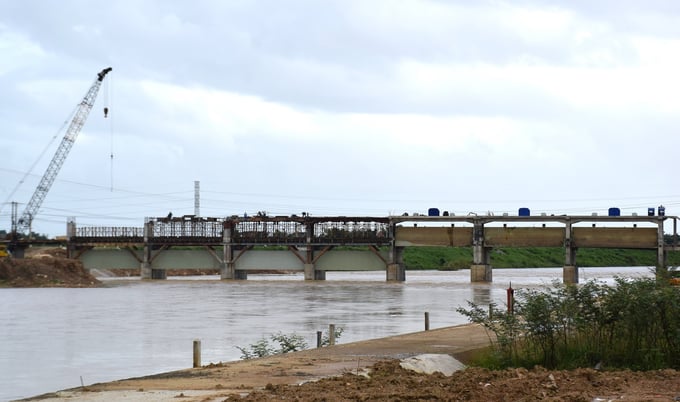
<point>312,274</point>
<point>227,270</point>
<point>570,270</point>
<point>227,266</point>
<point>145,271</point>
<point>480,271</point>
<point>395,268</point>
<point>309,272</point>
<point>661,249</point>
<point>396,273</point>
<point>570,274</point>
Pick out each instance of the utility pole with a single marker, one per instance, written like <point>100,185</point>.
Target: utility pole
<point>15,207</point>
<point>197,198</point>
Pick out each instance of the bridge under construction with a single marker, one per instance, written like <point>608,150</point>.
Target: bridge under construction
<point>316,245</point>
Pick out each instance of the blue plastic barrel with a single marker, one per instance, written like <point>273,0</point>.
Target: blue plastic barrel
<point>614,212</point>
<point>650,211</point>
<point>433,212</point>
<point>524,212</point>
<point>661,210</point>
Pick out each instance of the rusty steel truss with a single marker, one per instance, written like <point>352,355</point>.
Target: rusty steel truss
<point>277,230</point>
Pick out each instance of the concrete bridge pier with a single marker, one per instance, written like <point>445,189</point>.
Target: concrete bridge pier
<point>146,270</point>
<point>661,256</point>
<point>312,274</point>
<point>480,271</point>
<point>570,270</point>
<point>395,268</point>
<point>570,274</point>
<point>150,273</point>
<point>228,266</point>
<point>661,249</point>
<point>308,259</point>
<point>227,270</point>
<point>396,273</point>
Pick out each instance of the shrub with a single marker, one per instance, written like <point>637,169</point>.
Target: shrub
<point>286,343</point>
<point>633,324</point>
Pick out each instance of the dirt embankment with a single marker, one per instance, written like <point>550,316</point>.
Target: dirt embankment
<point>390,382</point>
<point>47,268</point>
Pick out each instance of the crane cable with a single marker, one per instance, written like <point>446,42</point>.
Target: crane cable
<point>30,170</point>
<point>108,102</point>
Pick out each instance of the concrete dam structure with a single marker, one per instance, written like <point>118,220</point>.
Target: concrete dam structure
<point>316,245</point>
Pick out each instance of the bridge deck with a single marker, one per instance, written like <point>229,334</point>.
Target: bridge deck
<point>338,231</point>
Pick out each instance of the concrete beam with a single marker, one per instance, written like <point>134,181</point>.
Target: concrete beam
<point>433,236</point>
<point>614,237</point>
<point>523,237</point>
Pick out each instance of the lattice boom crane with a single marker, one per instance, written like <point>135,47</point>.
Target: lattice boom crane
<point>82,111</point>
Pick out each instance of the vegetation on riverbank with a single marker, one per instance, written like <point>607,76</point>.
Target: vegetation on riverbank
<point>452,258</point>
<point>630,325</point>
<point>286,343</point>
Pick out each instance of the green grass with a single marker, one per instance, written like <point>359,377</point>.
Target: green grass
<point>451,258</point>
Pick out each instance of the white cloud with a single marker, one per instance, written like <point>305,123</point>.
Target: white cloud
<point>218,115</point>
<point>17,51</point>
<point>388,104</point>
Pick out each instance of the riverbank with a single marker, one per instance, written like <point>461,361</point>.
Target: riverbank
<point>219,381</point>
<point>370,370</point>
<point>44,268</point>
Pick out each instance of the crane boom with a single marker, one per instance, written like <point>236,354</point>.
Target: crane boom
<point>83,110</point>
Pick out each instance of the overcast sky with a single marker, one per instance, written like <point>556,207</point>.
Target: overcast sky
<point>341,107</point>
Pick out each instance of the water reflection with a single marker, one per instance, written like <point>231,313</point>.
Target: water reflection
<point>481,294</point>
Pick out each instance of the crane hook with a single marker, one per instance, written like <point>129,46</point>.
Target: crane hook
<point>106,112</point>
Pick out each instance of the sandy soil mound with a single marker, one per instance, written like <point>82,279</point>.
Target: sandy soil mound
<point>390,382</point>
<point>48,269</point>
